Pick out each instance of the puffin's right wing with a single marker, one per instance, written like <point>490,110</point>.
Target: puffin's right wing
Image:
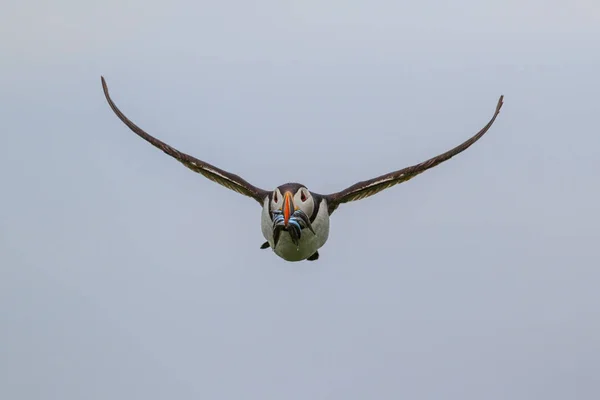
<point>370,187</point>
<point>213,173</point>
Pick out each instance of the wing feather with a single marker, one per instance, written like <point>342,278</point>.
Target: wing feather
<point>370,187</point>
<point>224,178</point>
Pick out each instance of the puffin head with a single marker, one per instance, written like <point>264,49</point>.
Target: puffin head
<point>291,206</point>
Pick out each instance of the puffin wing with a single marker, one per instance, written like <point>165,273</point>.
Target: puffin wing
<point>213,173</point>
<point>370,187</point>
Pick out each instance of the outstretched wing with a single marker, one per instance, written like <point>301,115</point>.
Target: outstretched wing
<point>213,173</point>
<point>368,188</point>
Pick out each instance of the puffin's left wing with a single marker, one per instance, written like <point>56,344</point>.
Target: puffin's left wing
<point>368,188</point>
<point>213,173</point>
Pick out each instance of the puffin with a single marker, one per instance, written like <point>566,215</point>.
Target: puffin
<point>295,219</point>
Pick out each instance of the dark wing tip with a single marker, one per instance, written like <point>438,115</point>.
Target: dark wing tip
<point>500,103</point>
<point>104,86</point>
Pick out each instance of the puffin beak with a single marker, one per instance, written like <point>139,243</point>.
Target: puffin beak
<point>288,207</point>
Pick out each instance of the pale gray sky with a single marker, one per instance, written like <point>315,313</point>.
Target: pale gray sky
<point>124,275</point>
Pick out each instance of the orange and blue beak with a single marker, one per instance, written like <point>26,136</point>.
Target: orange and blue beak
<point>288,207</point>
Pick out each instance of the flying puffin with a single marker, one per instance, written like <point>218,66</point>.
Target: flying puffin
<point>295,220</point>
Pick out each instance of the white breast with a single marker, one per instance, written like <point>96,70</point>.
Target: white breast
<point>309,242</point>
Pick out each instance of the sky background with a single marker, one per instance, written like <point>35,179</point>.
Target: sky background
<point>124,275</point>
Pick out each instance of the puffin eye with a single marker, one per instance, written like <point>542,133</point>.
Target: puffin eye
<point>302,196</point>
<point>275,198</point>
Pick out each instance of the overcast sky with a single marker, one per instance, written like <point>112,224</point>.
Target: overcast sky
<point>124,275</point>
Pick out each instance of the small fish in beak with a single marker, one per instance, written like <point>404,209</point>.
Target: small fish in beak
<point>301,216</point>
<point>295,231</point>
<point>277,233</point>
<point>297,221</point>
